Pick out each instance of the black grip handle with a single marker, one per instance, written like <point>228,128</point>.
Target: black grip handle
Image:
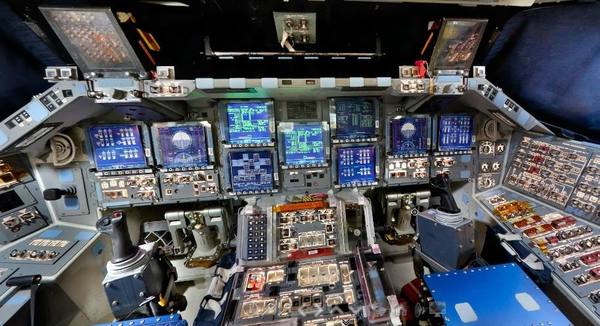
<point>24,281</point>
<point>115,225</point>
<point>56,193</point>
<point>441,186</point>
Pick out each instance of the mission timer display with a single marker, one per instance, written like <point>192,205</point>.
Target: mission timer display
<point>183,146</point>
<point>303,144</point>
<point>117,147</point>
<point>355,118</point>
<point>455,132</point>
<point>248,123</point>
<point>356,165</point>
<point>251,171</point>
<point>409,135</point>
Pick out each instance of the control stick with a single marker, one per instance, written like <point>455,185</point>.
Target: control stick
<point>115,225</point>
<point>32,281</point>
<point>56,193</point>
<point>440,185</point>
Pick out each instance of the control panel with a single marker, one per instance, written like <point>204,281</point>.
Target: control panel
<point>408,144</point>
<point>257,237</point>
<point>305,227</point>
<point>455,138</point>
<point>585,200</point>
<point>569,246</point>
<point>490,161</point>
<point>304,155</point>
<point>302,290</point>
<point>39,251</point>
<point>332,290</point>
<point>185,159</point>
<point>20,211</point>
<point>547,170</point>
<point>121,159</point>
<point>305,230</point>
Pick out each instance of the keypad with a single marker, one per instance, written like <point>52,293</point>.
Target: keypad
<point>257,237</point>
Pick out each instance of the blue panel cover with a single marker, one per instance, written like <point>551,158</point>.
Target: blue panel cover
<point>493,295</point>
<point>51,233</point>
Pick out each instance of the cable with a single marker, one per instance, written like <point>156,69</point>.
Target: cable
<point>449,219</point>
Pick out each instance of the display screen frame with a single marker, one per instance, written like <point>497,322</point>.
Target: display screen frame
<point>208,143</point>
<point>390,141</point>
<point>284,127</point>
<point>231,185</point>
<point>334,123</point>
<point>336,166</point>
<point>450,147</point>
<point>225,130</point>
<point>145,146</point>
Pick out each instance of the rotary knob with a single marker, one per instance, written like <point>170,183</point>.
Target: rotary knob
<point>500,148</point>
<point>495,166</point>
<point>486,148</point>
<point>485,167</point>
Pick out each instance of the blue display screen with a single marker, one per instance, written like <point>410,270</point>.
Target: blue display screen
<point>303,144</point>
<point>183,146</point>
<point>117,147</point>
<point>455,132</point>
<point>251,171</point>
<point>355,118</point>
<point>248,123</point>
<point>409,135</point>
<point>356,164</point>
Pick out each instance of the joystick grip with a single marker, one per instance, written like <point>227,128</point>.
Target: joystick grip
<point>440,185</point>
<point>115,225</point>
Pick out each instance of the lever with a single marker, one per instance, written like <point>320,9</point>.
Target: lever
<point>32,281</point>
<point>441,186</point>
<point>57,193</point>
<point>115,225</point>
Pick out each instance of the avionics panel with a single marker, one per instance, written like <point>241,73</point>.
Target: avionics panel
<point>408,143</point>
<point>455,138</point>
<point>567,245</point>
<point>302,290</point>
<point>356,166</point>
<point>185,156</point>
<point>19,214</point>
<point>183,145</point>
<point>455,133</point>
<point>251,172</point>
<point>306,230</point>
<point>585,200</point>
<point>122,158</point>
<point>409,136</point>
<point>354,119</point>
<point>547,169</point>
<point>117,147</point>
<point>303,144</point>
<point>247,123</point>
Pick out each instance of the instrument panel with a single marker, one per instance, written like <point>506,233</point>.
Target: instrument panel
<point>261,147</point>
